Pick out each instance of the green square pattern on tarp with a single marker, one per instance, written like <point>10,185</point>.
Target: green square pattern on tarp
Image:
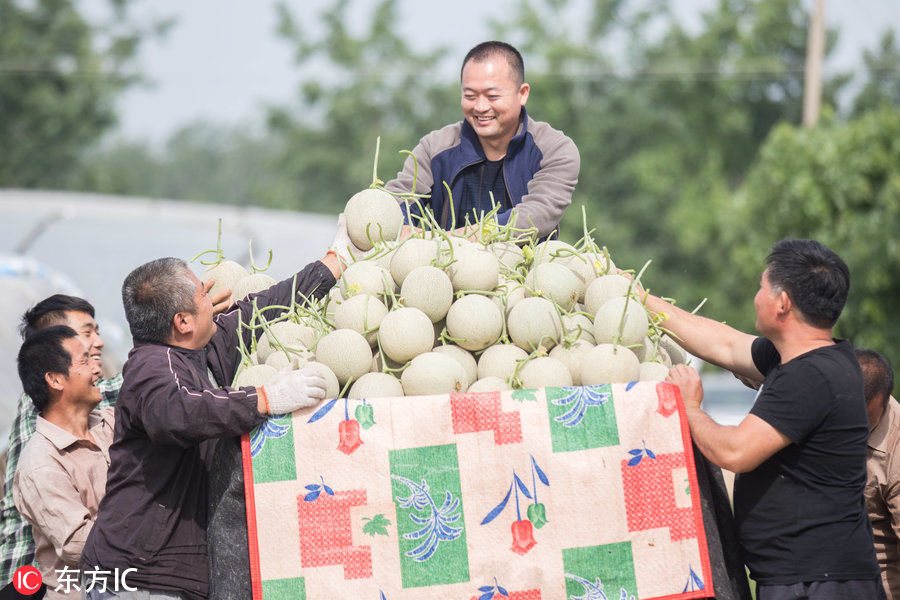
<point>429,478</point>
<point>582,418</point>
<point>275,460</point>
<point>605,569</point>
<point>284,589</point>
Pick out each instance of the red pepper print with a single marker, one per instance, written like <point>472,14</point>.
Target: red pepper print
<point>669,395</point>
<point>522,536</point>
<point>349,436</point>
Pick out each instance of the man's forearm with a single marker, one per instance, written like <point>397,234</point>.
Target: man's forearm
<point>707,339</point>
<point>739,448</point>
<point>712,439</point>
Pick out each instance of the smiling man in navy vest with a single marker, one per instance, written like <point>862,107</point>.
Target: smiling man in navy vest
<point>497,149</point>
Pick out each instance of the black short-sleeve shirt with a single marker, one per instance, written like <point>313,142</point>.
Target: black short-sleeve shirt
<point>800,514</point>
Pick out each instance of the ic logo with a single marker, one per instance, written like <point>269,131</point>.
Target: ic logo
<point>27,580</point>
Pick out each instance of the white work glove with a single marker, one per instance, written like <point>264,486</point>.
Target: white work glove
<point>342,243</point>
<point>289,390</point>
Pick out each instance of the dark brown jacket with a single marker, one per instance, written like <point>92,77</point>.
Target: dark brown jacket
<point>168,417</point>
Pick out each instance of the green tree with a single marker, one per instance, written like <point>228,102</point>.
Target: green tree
<point>59,77</point>
<point>121,167</point>
<point>668,119</point>
<point>202,161</point>
<point>883,76</point>
<point>838,183</point>
<point>372,85</point>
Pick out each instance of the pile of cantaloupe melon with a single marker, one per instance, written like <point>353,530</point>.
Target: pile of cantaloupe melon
<point>444,312</point>
<point>482,308</point>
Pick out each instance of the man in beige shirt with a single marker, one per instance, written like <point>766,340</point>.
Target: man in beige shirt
<point>61,475</point>
<point>883,464</point>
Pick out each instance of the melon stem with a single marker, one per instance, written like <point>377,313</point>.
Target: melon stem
<point>220,255</point>
<point>514,381</point>
<point>384,366</point>
<point>452,208</point>
<point>587,242</point>
<point>415,169</point>
<point>375,180</point>
<point>445,337</point>
<point>631,283</point>
<point>699,306</point>
<point>373,242</point>
<point>563,252</point>
<point>389,292</point>
<point>343,394</point>
<point>242,349</point>
<point>253,268</point>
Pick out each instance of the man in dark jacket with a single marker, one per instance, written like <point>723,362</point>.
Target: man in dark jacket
<point>175,402</point>
<point>530,168</point>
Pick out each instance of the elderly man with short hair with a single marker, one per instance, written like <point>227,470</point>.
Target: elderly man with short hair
<point>175,402</point>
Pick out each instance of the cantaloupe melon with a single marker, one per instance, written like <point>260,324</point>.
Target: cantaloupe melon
<point>488,384</point>
<point>606,363</point>
<point>372,215</point>
<point>376,385</point>
<point>429,289</point>
<point>433,373</point>
<point>474,322</point>
<point>346,353</point>
<point>405,333</point>
<point>534,322</point>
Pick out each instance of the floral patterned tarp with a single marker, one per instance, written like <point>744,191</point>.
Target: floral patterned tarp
<point>578,493</point>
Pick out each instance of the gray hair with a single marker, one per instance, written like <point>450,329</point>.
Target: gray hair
<point>153,294</point>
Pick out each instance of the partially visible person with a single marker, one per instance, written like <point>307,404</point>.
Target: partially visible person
<point>61,475</point>
<point>883,464</point>
<point>176,402</point>
<point>496,149</point>
<point>800,454</point>
<point>17,546</point>
<point>16,541</point>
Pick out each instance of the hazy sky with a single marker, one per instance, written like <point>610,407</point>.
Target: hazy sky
<point>222,60</point>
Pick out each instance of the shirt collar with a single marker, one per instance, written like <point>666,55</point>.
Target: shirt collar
<point>61,438</point>
<point>878,438</point>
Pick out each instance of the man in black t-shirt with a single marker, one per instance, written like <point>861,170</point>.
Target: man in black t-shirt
<point>800,454</point>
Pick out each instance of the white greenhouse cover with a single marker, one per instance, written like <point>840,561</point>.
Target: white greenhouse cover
<point>85,245</point>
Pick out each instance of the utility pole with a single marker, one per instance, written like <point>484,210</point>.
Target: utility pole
<point>815,53</point>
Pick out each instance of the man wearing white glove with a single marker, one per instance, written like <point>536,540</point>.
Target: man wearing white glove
<point>177,416</point>
<point>289,390</point>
